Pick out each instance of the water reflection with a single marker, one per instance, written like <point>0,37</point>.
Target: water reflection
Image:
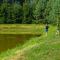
<point>8,41</point>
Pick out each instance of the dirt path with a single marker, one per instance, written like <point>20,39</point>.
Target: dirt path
<point>19,55</point>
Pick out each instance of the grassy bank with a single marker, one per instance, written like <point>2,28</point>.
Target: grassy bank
<point>37,48</point>
<point>46,48</point>
<point>11,32</point>
<point>20,28</point>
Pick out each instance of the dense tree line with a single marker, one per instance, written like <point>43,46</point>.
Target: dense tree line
<point>30,11</point>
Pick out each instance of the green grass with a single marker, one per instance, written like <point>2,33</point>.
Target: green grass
<point>38,48</point>
<point>20,29</point>
<point>47,48</point>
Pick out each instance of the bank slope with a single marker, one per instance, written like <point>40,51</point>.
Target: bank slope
<point>39,48</point>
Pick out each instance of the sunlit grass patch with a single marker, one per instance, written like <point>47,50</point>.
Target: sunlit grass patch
<point>20,28</point>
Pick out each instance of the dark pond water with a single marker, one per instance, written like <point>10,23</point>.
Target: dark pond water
<point>8,41</point>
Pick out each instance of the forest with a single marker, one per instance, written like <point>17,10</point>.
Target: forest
<point>29,11</point>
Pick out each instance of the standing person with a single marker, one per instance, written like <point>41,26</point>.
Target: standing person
<point>46,28</point>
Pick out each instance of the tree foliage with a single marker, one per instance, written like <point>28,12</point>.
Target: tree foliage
<point>30,11</point>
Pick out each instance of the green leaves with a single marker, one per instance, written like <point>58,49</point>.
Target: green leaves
<point>31,11</point>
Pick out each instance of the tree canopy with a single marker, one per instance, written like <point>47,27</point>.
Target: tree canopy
<point>30,11</point>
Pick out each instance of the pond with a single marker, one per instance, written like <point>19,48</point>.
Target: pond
<point>8,41</point>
